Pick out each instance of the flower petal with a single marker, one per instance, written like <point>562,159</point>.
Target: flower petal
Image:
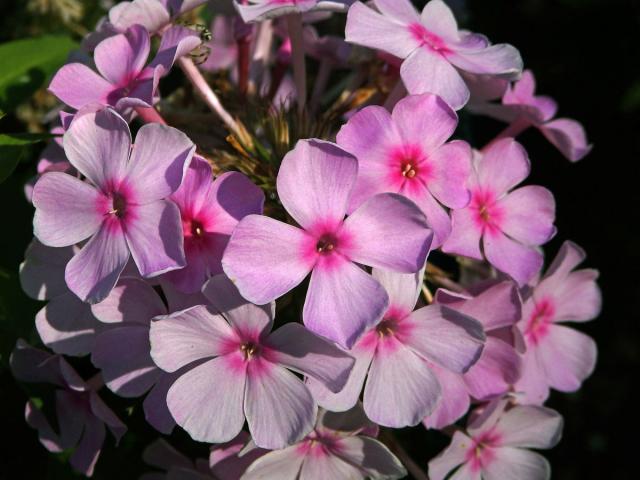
<point>42,272</point>
<point>568,136</point>
<point>465,235</point>
<point>455,399</point>
<point>403,288</point>
<point>452,167</point>
<point>282,464</point>
<point>503,165</point>
<point>131,301</point>
<point>439,19</point>
<point>77,85</point>
<point>498,367</point>
<point>455,454</point>
<point>500,59</point>
<point>529,215</point>
<point>530,427</point>
<point>372,457</point>
<point>511,257</point>
<point>516,464</point>
<point>122,57</point>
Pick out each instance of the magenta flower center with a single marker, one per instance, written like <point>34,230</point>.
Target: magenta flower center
<point>386,328</point>
<point>326,244</point>
<point>540,321</point>
<point>118,205</point>
<point>428,39</point>
<point>193,228</point>
<point>481,452</point>
<point>249,350</point>
<point>488,215</point>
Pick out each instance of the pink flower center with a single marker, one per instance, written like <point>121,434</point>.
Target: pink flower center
<point>327,244</point>
<point>249,350</point>
<point>540,321</point>
<point>193,228</point>
<point>428,39</point>
<point>482,451</point>
<point>488,214</point>
<point>386,327</point>
<point>118,205</point>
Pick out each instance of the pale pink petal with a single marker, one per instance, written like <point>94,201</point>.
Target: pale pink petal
<point>401,11</point>
<point>372,457</point>
<point>176,42</point>
<point>425,120</point>
<point>498,367</point>
<point>371,29</point>
<point>452,167</point>
<point>500,59</point>
<point>426,71</point>
<point>465,235</point>
<point>532,387</point>
<point>403,289</point>
<point>159,161</point>
<point>342,302</point>
<point>516,464</point>
<point>77,85</point>
<point>42,271</point>
<point>437,217</point>
<point>511,257</point>
<point>97,143</point>
<point>122,57</point>
<point>439,19</point>
<point>207,401</point>
<point>568,136</point>
<point>455,399</point>
<point>279,408</point>
<point>198,331</point>
<point>315,181</point>
<point>131,301</point>
<point>154,236</point>
<point>282,464</point>
<point>503,166</point>
<point>67,210</point>
<point>576,297</point>
<point>568,357</point>
<point>530,427</point>
<point>264,259</point>
<point>400,378</point>
<point>151,14</point>
<point>444,336</point>
<point>93,272</point>
<point>122,354</point>
<point>300,350</point>
<point>455,454</point>
<point>66,325</point>
<point>251,320</point>
<point>325,465</point>
<point>529,214</point>
<point>390,232</point>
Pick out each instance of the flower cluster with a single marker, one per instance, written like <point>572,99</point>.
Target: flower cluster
<point>275,282</point>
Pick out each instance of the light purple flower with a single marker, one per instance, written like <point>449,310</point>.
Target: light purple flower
<point>266,258</point>
<point>398,354</point>
<point>340,446</point>
<point>258,10</point>
<point>245,374</point>
<point>223,45</point>
<point>405,152</point>
<point>123,211</point>
<point>81,413</point>
<point>496,442</point>
<point>210,210</point>
<point>433,48</point>
<point>520,106</point>
<point>497,306</point>
<point>124,80</point>
<point>227,461</point>
<point>66,324</point>
<point>502,224</point>
<point>558,357</point>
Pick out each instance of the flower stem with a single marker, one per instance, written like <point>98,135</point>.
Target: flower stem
<point>324,72</point>
<point>294,24</point>
<point>204,91</point>
<point>150,115</point>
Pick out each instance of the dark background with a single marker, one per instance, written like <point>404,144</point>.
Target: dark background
<point>584,54</point>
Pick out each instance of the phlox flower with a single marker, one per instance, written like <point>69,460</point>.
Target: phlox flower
<point>227,461</point>
<point>432,47</point>
<point>495,445</point>
<point>405,152</point>
<point>246,369</point>
<point>557,356</point>
<point>210,210</point>
<point>258,10</point>
<point>523,108</point>
<point>223,45</point>
<point>340,446</point>
<point>497,306</point>
<point>81,413</point>
<point>266,258</point>
<point>123,80</point>
<point>122,211</point>
<point>500,224</point>
<point>397,356</point>
<point>65,324</point>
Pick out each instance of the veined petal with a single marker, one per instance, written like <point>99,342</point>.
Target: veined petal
<point>455,399</point>
<point>530,427</point>
<point>122,57</point>
<point>455,454</point>
<point>372,457</point>
<point>403,288</point>
<point>568,136</point>
<point>503,166</point>
<point>465,235</point>
<point>516,464</point>
<point>511,257</point>
<point>529,214</point>
<point>77,85</point>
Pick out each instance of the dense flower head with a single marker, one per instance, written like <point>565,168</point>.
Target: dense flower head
<point>162,269</point>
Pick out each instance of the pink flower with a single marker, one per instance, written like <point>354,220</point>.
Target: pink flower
<point>502,224</point>
<point>123,211</point>
<point>522,108</point>
<point>245,373</point>
<point>223,45</point>
<point>432,46</point>
<point>398,354</point>
<point>82,415</point>
<point>557,356</point>
<point>340,446</point>
<point>210,210</point>
<point>497,306</point>
<point>258,10</point>
<point>266,258</point>
<point>405,152</point>
<point>123,80</point>
<point>496,442</point>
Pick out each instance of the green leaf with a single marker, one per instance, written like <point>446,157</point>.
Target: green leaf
<point>25,66</point>
<point>12,148</point>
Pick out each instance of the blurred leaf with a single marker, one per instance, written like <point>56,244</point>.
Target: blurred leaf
<point>12,149</point>
<point>25,65</point>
